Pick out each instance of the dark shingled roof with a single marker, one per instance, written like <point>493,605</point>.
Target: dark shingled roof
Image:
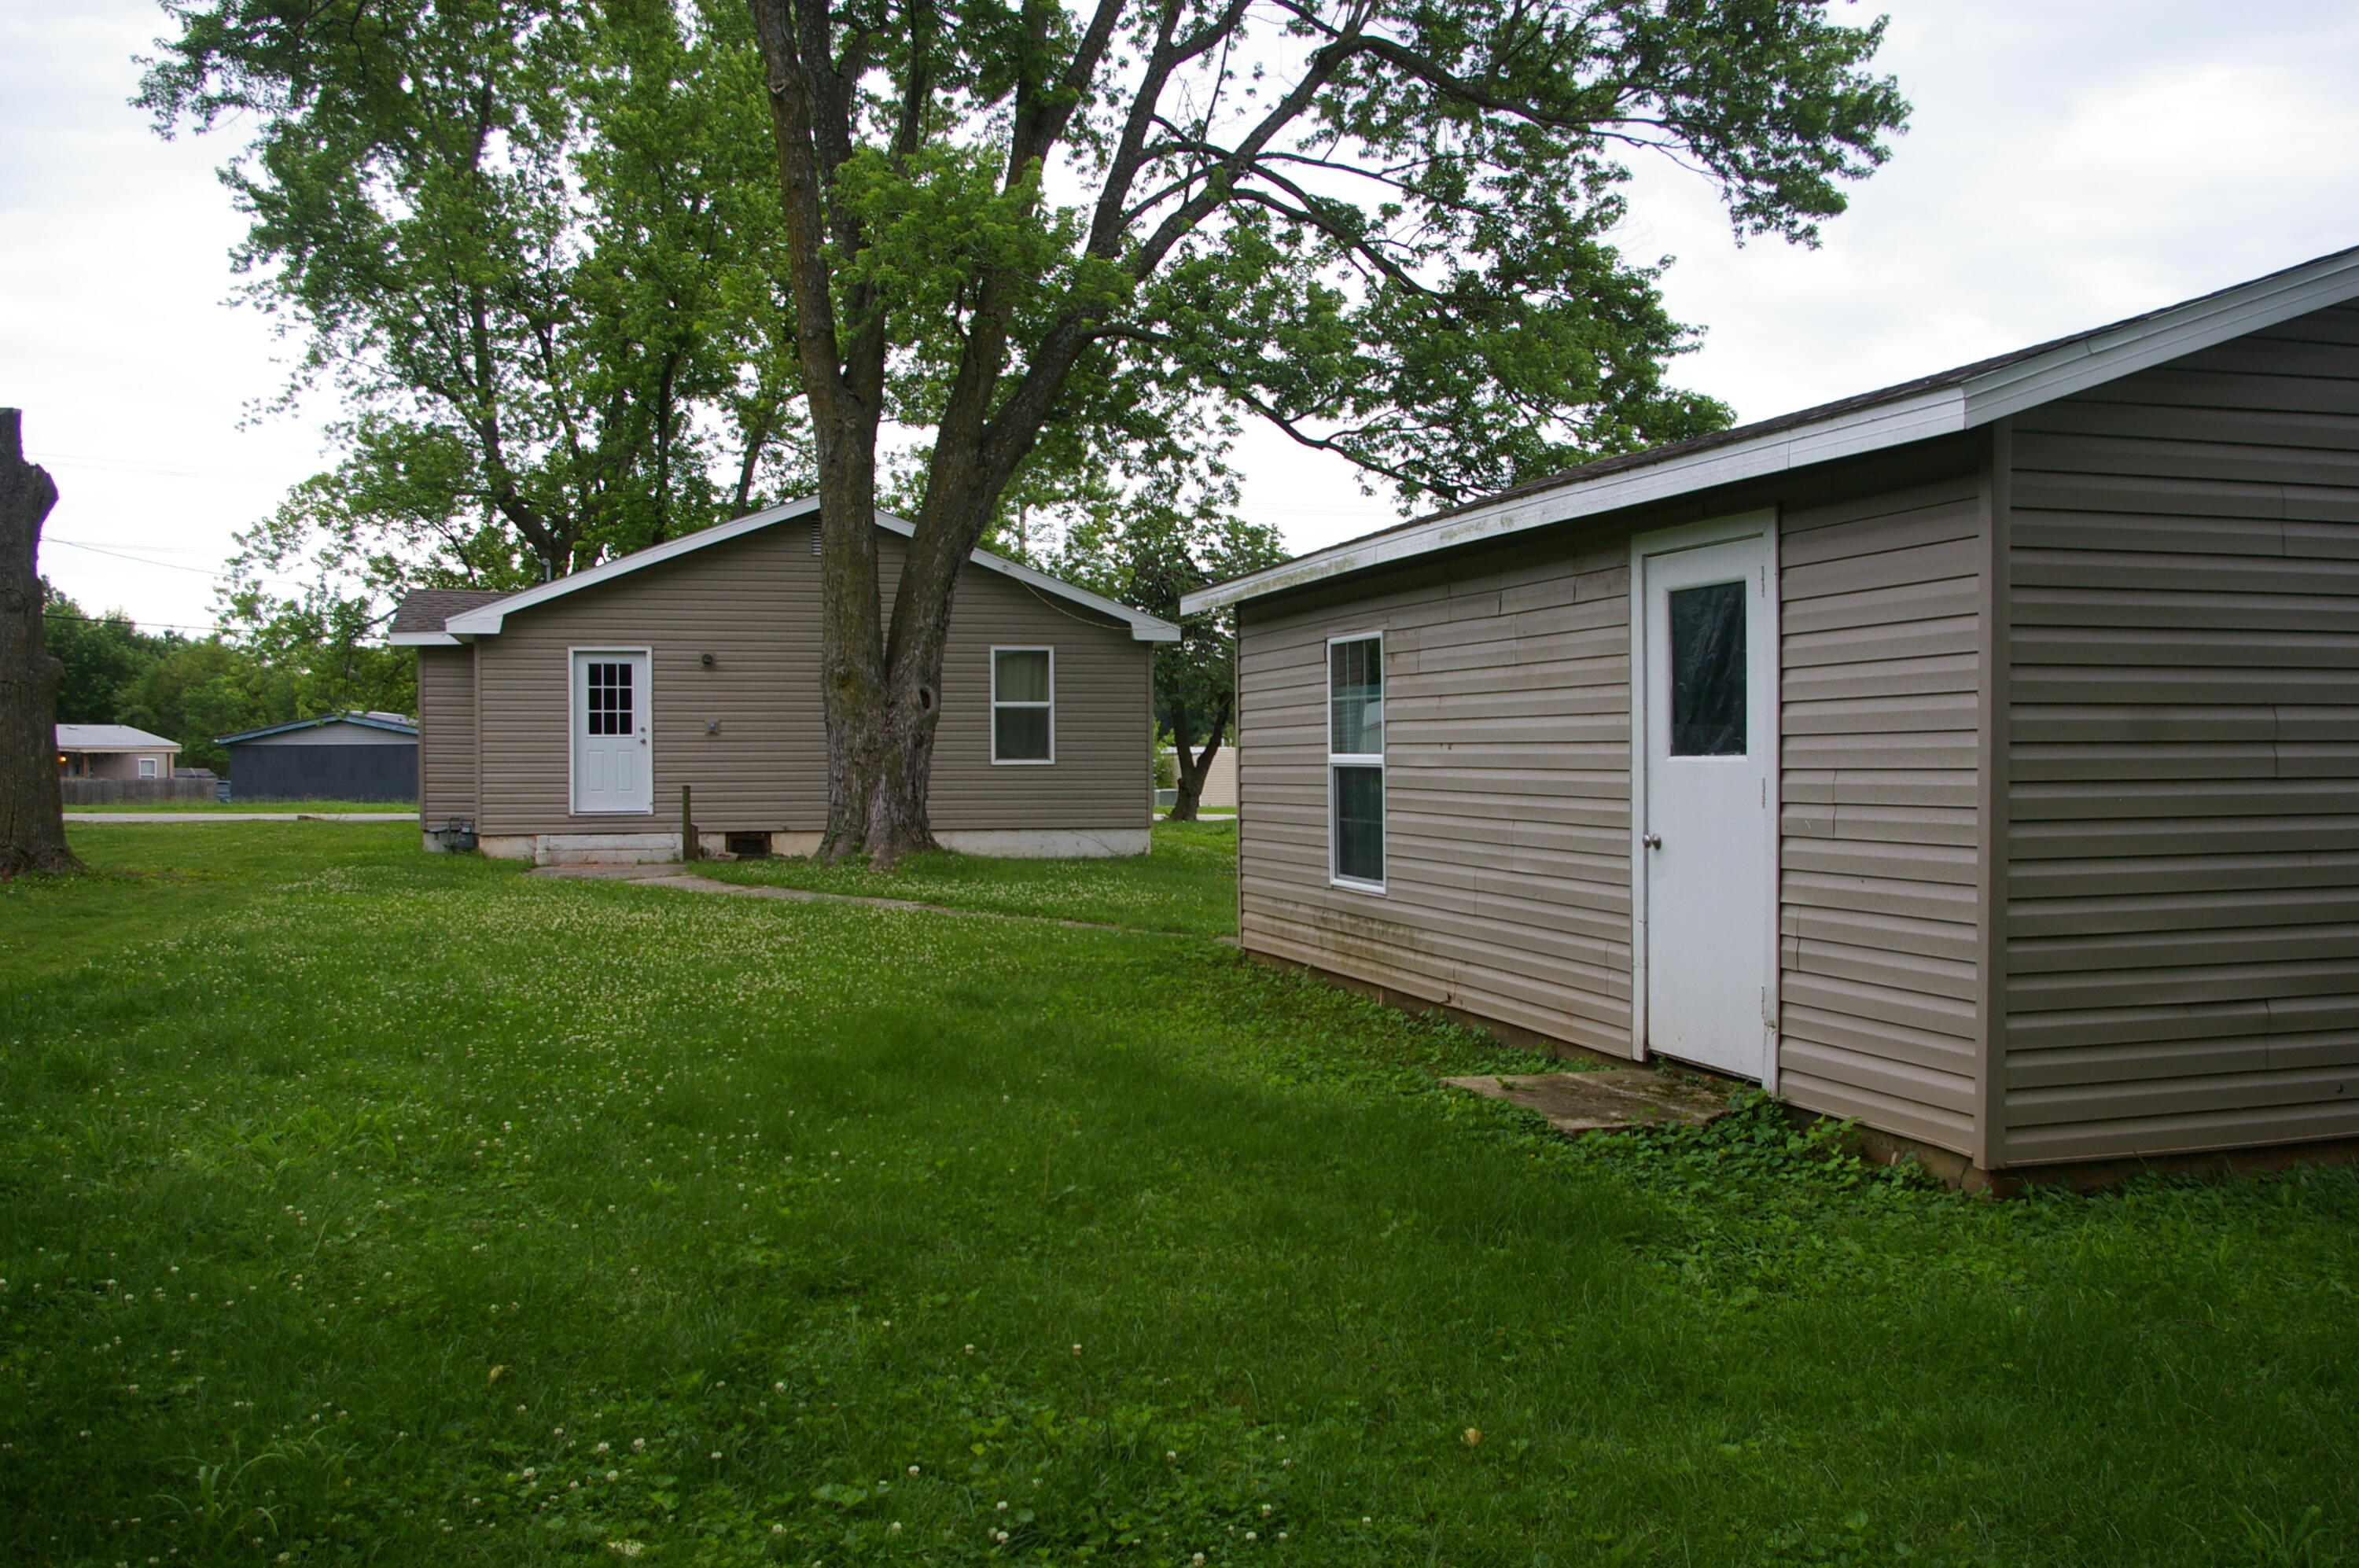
<point>425,609</point>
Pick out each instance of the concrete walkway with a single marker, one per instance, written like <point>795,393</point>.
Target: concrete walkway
<point>671,876</point>
<point>241,816</point>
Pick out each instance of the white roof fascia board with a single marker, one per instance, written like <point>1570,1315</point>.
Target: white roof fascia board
<point>1935,413</point>
<point>487,620</point>
<point>422,639</point>
<point>2072,367</point>
<point>1144,627</point>
<point>2092,361</point>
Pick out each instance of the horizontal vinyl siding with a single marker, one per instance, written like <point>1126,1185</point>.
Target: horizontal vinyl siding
<point>1508,789</point>
<point>753,605</point>
<point>1103,776</point>
<point>1879,921</point>
<point>446,734</point>
<point>2183,883</point>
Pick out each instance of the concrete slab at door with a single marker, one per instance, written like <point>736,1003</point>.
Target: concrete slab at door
<point>614,771</point>
<point>1707,739</point>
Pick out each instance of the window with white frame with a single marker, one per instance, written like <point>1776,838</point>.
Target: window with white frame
<point>1023,704</point>
<point>147,768</point>
<point>1355,760</point>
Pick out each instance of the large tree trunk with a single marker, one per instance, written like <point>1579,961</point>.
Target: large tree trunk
<point>32,815</point>
<point>1196,768</point>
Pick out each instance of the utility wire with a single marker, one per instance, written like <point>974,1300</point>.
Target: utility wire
<point>127,621</point>
<point>135,560</point>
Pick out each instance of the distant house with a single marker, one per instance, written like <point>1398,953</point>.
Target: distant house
<point>1220,791</point>
<point>561,723</point>
<point>113,751</point>
<point>1977,757</point>
<point>342,756</point>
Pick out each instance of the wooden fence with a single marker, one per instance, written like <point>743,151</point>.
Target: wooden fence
<point>133,791</point>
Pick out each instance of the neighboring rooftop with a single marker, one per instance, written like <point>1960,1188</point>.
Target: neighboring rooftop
<point>111,737</point>
<point>425,609</point>
<point>441,616</point>
<point>398,724</point>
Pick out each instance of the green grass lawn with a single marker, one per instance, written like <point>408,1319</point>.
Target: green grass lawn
<point>358,1204</point>
<point>1187,883</point>
<point>214,808</point>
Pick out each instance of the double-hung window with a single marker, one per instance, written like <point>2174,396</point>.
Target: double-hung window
<point>147,768</point>
<point>1023,704</point>
<point>1355,761</point>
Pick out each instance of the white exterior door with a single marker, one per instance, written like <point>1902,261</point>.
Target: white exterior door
<point>612,767</point>
<point>1706,854</point>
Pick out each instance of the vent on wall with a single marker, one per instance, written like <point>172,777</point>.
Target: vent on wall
<point>814,538</point>
<point>748,845</point>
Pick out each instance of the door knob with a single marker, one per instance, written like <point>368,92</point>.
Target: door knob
<point>1652,841</point>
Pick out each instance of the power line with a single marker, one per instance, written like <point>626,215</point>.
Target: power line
<point>166,565</point>
<point>134,544</point>
<point>135,560</point>
<point>167,470</point>
<point>128,621</point>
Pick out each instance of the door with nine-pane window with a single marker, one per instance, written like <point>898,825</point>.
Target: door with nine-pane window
<point>613,760</point>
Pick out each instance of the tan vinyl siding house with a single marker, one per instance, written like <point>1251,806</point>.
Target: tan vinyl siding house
<point>113,751</point>
<point>718,639</point>
<point>2057,793</point>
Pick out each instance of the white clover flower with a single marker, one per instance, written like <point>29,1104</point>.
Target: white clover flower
<point>913,1469</point>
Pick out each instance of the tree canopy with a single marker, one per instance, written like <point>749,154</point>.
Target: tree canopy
<point>1385,226</point>
<point>529,247</point>
<point>587,277</point>
<point>296,664</point>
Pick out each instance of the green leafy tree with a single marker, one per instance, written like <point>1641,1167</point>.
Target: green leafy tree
<point>204,689</point>
<point>101,655</point>
<point>531,249</point>
<point>1382,226</point>
<point>296,657</point>
<point>1149,556</point>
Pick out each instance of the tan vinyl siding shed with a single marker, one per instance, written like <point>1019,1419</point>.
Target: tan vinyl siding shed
<point>722,631</point>
<point>2062,797</point>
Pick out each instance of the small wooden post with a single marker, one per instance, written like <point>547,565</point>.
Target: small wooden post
<point>689,849</point>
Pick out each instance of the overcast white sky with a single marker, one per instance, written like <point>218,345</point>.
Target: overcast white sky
<point>2072,162</point>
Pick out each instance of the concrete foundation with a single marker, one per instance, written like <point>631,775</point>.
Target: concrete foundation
<point>1047,844</point>
<point>649,848</point>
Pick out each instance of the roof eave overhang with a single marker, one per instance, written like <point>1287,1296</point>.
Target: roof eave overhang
<point>488,620</point>
<point>1889,424</point>
<point>422,639</point>
<point>2068,368</point>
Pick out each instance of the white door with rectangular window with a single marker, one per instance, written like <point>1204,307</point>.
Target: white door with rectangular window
<point>613,762</point>
<point>1706,850</point>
